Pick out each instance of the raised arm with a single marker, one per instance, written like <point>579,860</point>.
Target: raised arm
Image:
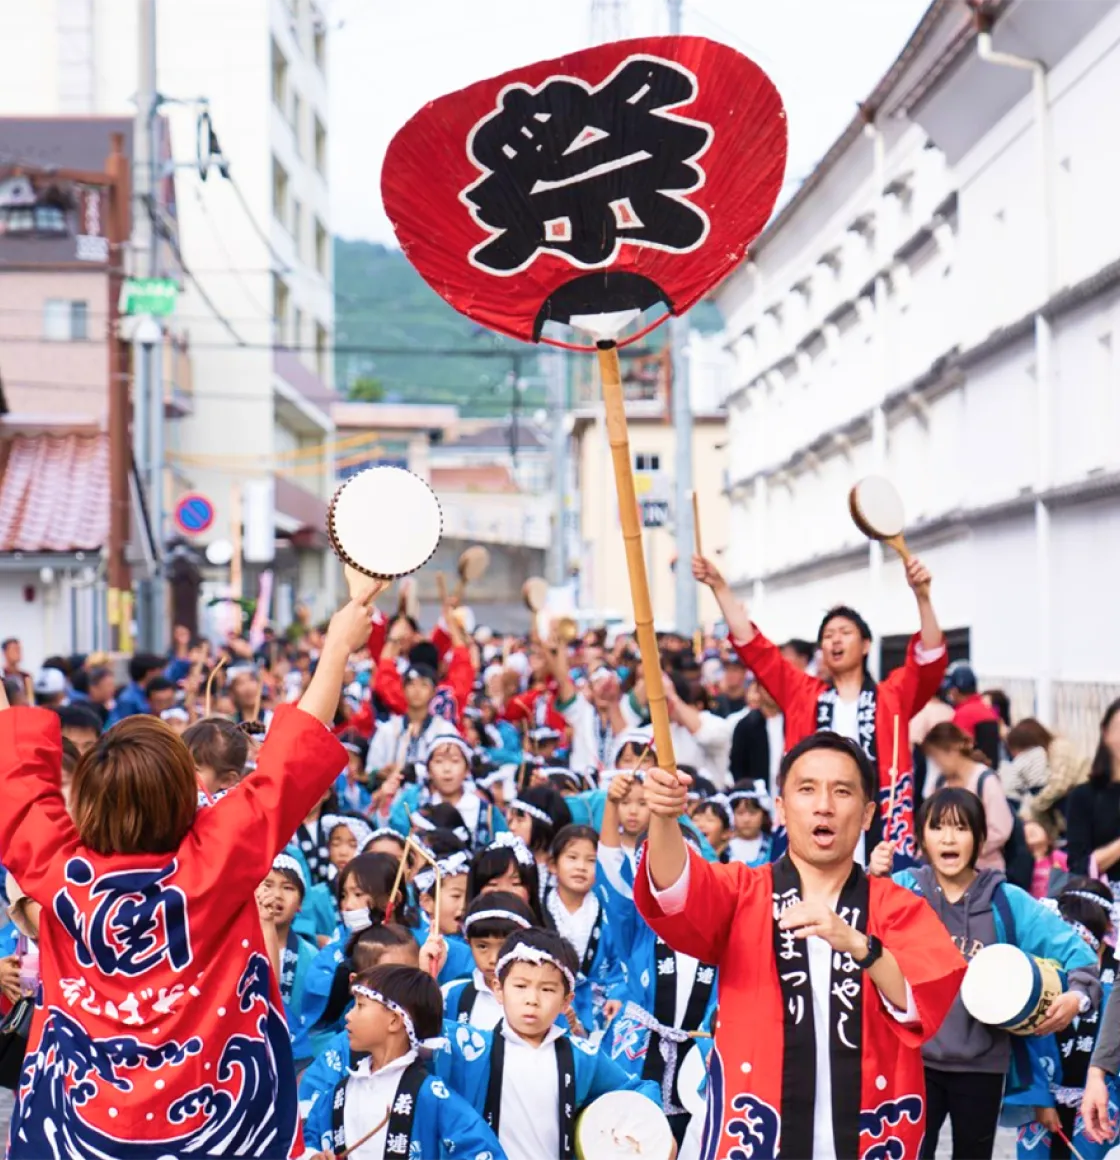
<point>734,613</point>
<point>297,764</point>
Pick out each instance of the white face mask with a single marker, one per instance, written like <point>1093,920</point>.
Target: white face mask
<point>355,920</point>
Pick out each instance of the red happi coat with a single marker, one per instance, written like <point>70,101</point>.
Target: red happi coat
<point>160,1028</point>
<point>728,921</point>
<point>901,694</point>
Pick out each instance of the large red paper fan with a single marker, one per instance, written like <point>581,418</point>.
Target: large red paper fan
<point>610,179</point>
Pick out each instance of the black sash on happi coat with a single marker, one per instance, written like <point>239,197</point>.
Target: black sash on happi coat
<point>867,740</point>
<point>316,854</point>
<point>289,962</point>
<point>665,1008</point>
<point>845,1033</point>
<point>566,1109</point>
<point>468,996</point>
<point>401,1114</point>
<point>593,940</point>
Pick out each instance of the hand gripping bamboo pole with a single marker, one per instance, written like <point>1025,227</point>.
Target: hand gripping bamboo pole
<point>619,438</point>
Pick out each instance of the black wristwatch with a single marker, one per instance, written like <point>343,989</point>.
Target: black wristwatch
<point>874,954</point>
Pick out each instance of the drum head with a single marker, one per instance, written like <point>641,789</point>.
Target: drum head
<point>385,522</point>
<point>877,508</point>
<point>535,593</point>
<point>690,1076</point>
<point>473,564</point>
<point>623,1124</point>
<point>998,985</point>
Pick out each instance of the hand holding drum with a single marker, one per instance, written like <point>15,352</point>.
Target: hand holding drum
<point>876,509</point>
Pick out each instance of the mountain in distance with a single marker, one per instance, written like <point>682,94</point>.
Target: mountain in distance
<point>382,302</point>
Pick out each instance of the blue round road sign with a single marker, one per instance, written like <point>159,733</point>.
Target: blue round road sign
<point>194,514</point>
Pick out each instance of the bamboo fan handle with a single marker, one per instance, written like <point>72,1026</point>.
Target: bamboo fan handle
<point>905,555</point>
<point>210,683</point>
<point>619,438</point>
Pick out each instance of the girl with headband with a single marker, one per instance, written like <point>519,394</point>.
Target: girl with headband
<point>389,1103</point>
<point>319,915</point>
<point>528,1077</point>
<point>573,909</point>
<point>507,864</point>
<point>750,807</point>
<point>535,816</point>
<point>448,763</point>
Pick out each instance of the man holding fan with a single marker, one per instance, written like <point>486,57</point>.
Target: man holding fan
<point>845,699</point>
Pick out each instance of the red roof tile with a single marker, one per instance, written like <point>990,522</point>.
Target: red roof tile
<point>54,493</point>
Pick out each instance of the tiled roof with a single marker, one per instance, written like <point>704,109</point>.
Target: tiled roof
<point>54,493</point>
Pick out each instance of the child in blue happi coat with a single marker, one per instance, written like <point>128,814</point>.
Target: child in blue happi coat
<point>520,1076</point>
<point>658,1008</point>
<point>507,864</point>
<point>350,788</point>
<point>386,944</point>
<point>279,899</point>
<point>751,842</point>
<point>575,911</point>
<point>1060,1064</point>
<point>489,921</point>
<point>388,1099</point>
<point>457,962</point>
<point>447,762</point>
<point>319,916</point>
<point>536,816</point>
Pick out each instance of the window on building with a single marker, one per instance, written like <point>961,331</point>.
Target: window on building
<point>281,300</point>
<point>19,219</point>
<point>320,43</point>
<point>322,248</point>
<point>322,351</point>
<point>297,123</point>
<point>65,320</point>
<point>50,219</point>
<point>297,226</point>
<point>646,461</point>
<point>279,78</point>
<point>279,192</point>
<point>297,327</point>
<point>320,147</point>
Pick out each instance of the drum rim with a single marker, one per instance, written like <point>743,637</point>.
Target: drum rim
<point>859,516</point>
<point>346,558</point>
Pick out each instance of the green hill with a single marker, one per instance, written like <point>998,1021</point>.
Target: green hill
<point>381,301</point>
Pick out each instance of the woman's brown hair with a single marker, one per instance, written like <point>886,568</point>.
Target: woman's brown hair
<point>953,738</point>
<point>1028,734</point>
<point>135,791</point>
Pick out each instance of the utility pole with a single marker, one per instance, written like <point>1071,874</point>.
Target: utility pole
<point>148,397</point>
<point>682,426</point>
<point>120,576</point>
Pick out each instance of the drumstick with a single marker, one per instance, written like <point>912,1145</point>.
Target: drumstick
<point>397,881</point>
<point>368,1136</point>
<point>696,524</point>
<point>210,683</point>
<point>1072,1150</point>
<point>894,779</point>
<point>435,870</point>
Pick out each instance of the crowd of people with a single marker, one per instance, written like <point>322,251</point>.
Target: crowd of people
<point>372,891</point>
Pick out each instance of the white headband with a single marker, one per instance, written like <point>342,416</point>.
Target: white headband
<point>396,1008</point>
<point>385,832</point>
<point>448,739</point>
<point>287,862</point>
<point>505,915</point>
<point>419,822</point>
<point>448,868</point>
<point>533,811</point>
<point>506,840</point>
<point>350,747</point>
<point>1089,896</point>
<point>523,953</point>
<point>360,829</point>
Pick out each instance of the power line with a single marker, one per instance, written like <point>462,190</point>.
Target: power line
<point>264,310</point>
<point>169,235</point>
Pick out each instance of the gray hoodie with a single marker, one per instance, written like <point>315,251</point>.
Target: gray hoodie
<point>963,1044</point>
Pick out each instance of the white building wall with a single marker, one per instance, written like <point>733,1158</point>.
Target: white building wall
<point>839,326</point>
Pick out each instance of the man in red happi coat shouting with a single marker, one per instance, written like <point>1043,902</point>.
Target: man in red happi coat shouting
<point>845,698</point>
<point>829,981</point>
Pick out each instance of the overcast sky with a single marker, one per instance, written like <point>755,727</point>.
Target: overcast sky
<point>389,57</point>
